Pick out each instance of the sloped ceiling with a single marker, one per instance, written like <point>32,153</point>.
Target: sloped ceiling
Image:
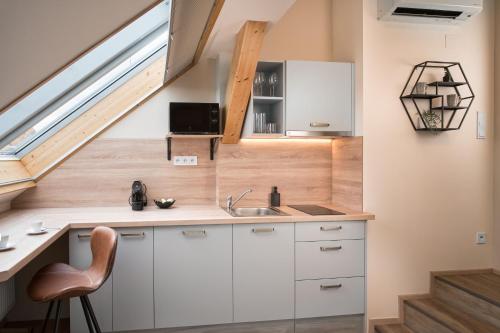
<point>234,14</point>
<point>39,37</point>
<point>190,18</point>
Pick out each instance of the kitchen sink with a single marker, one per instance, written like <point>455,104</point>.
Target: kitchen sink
<point>259,211</point>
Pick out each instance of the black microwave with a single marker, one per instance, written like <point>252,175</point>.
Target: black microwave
<point>194,118</point>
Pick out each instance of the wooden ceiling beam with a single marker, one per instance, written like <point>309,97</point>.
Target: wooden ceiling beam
<point>243,66</point>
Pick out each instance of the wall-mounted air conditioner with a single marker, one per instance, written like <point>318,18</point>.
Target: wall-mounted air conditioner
<point>429,11</point>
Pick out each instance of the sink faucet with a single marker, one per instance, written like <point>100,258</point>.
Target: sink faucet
<point>230,203</point>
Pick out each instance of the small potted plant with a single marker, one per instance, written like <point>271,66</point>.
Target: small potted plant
<point>431,119</point>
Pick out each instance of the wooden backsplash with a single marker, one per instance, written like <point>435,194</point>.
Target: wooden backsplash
<point>301,169</point>
<point>102,172</point>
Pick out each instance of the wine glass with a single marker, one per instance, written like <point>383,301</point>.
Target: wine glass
<point>273,82</point>
<point>258,83</point>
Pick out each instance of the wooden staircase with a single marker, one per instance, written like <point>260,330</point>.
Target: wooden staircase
<point>459,302</point>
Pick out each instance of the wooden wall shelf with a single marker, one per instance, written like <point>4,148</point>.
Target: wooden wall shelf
<point>214,138</point>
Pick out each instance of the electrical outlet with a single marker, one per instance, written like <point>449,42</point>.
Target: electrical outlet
<point>185,160</point>
<point>481,238</point>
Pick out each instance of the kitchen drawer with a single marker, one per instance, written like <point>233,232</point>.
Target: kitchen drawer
<point>316,231</point>
<point>329,297</point>
<point>329,259</point>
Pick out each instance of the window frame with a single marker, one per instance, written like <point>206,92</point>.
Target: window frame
<point>36,116</point>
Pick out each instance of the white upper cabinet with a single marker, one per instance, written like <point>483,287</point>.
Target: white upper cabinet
<point>319,98</point>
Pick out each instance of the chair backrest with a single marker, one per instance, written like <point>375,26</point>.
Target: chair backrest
<point>103,243</point>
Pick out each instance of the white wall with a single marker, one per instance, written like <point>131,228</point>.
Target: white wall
<point>150,121</point>
<point>303,33</point>
<point>430,193</point>
<point>39,37</point>
<point>347,27</point>
<point>496,236</point>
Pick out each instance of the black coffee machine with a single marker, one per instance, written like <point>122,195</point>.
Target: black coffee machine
<point>138,198</point>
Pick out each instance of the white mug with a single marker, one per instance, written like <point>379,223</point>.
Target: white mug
<point>4,240</point>
<point>36,226</point>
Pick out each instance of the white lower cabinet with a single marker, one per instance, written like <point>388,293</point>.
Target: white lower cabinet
<point>193,275</point>
<point>167,277</point>
<point>330,297</point>
<point>263,272</point>
<point>80,257</point>
<point>329,269</point>
<point>133,291</point>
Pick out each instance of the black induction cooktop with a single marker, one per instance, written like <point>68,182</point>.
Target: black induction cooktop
<point>316,210</point>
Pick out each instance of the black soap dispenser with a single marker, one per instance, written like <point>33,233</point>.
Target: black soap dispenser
<point>274,197</point>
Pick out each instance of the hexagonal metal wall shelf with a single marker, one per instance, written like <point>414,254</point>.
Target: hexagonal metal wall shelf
<point>431,111</point>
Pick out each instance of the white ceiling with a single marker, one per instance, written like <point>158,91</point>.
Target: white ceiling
<point>189,20</point>
<point>232,16</point>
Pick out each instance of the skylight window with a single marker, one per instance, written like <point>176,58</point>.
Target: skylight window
<point>81,85</point>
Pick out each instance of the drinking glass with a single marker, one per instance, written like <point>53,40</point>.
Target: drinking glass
<point>258,83</point>
<point>272,81</point>
<point>271,128</point>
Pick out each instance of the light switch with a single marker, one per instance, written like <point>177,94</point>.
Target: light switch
<point>481,125</point>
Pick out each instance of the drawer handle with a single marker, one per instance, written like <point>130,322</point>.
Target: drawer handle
<point>137,234</point>
<point>330,286</point>
<point>336,228</point>
<point>318,124</point>
<point>333,248</point>
<point>257,230</point>
<point>80,236</point>
<point>194,233</point>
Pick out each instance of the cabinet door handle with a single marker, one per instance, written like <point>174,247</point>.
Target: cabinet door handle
<point>137,234</point>
<point>81,236</point>
<point>336,228</point>
<point>330,286</point>
<point>333,248</point>
<point>318,124</point>
<point>257,230</point>
<point>194,233</point>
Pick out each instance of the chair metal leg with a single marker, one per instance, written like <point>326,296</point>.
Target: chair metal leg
<point>58,314</point>
<point>47,317</point>
<point>92,315</point>
<point>87,315</point>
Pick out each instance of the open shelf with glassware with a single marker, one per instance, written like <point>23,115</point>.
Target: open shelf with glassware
<point>266,109</point>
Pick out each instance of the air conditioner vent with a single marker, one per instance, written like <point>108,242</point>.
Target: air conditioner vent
<point>431,13</point>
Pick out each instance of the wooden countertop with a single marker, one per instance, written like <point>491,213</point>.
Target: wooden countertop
<point>59,220</point>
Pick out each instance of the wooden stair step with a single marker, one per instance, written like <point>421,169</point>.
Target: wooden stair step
<point>392,328</point>
<point>485,285</point>
<point>451,319</point>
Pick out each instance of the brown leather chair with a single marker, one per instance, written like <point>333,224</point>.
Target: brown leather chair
<point>59,281</point>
